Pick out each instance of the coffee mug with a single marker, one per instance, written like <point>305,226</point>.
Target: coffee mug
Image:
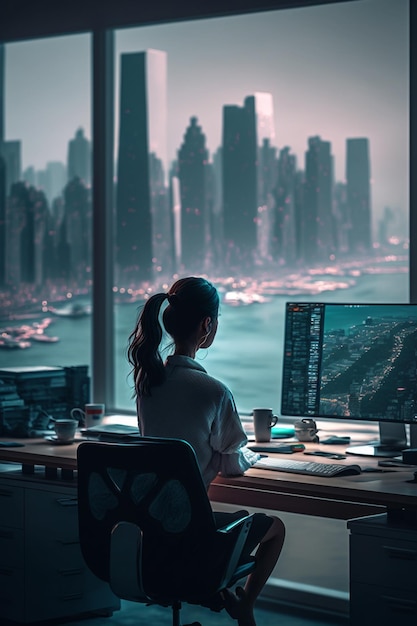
<point>263,420</point>
<point>65,429</point>
<point>92,415</point>
<point>306,430</point>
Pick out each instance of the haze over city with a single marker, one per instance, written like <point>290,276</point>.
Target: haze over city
<point>337,71</point>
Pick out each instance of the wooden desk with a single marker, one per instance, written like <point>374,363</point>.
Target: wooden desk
<point>339,498</point>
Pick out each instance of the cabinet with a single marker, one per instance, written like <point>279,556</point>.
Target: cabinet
<point>42,572</point>
<point>383,571</point>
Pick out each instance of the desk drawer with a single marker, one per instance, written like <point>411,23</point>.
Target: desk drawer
<point>11,594</point>
<point>68,593</point>
<point>383,561</point>
<point>384,606</point>
<point>11,506</point>
<point>11,547</point>
<point>52,514</point>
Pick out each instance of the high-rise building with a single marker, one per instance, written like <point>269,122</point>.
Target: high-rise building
<point>244,131</point>
<point>26,229</point>
<point>2,65</point>
<point>56,180</point>
<point>29,176</point>
<point>267,175</point>
<point>2,222</point>
<point>51,180</point>
<point>11,153</point>
<point>317,237</point>
<point>79,158</point>
<point>358,194</point>
<point>239,183</point>
<point>192,174</point>
<point>142,219</point>
<point>77,231</point>
<point>286,245</point>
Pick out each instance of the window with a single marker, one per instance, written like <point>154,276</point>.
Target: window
<point>276,163</point>
<point>269,152</point>
<point>45,203</point>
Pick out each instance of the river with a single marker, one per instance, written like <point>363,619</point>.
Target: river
<point>246,354</point>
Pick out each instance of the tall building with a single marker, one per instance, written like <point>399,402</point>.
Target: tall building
<point>286,244</point>
<point>239,183</point>
<point>2,65</point>
<point>11,153</point>
<point>358,194</point>
<point>3,225</point>
<point>26,230</point>
<point>317,237</point>
<point>244,131</point>
<point>192,174</point>
<point>79,158</point>
<point>52,180</point>
<point>29,176</point>
<point>267,175</point>
<point>77,231</point>
<point>142,143</point>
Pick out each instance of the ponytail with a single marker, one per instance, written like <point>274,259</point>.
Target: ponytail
<point>190,300</point>
<point>143,350</point>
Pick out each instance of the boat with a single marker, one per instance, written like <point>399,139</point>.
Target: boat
<point>72,310</point>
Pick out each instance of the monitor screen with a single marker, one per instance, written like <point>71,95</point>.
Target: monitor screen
<point>353,361</point>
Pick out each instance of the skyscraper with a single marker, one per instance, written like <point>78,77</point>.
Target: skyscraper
<point>2,65</point>
<point>26,229</point>
<point>317,236</point>
<point>358,194</point>
<point>2,222</point>
<point>239,182</point>
<point>244,131</point>
<point>192,169</point>
<point>77,229</point>
<point>286,243</point>
<point>142,223</point>
<point>11,153</point>
<point>79,158</point>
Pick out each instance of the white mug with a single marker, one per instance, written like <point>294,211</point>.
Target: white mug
<point>263,420</point>
<point>92,415</point>
<point>65,430</point>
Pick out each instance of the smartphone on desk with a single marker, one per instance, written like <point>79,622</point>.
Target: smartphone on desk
<point>279,448</point>
<point>328,455</point>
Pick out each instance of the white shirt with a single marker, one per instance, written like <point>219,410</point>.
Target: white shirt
<point>193,406</point>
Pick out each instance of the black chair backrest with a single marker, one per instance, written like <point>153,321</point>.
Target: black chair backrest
<point>156,484</point>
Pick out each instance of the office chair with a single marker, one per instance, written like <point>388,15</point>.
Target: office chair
<point>146,525</point>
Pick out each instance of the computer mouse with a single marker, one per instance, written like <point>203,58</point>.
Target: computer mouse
<point>349,470</point>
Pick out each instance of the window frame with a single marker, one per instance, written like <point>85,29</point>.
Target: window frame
<point>44,19</point>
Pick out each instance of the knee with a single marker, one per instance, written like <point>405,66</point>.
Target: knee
<point>276,530</point>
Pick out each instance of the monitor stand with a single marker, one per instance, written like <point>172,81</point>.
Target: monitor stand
<point>392,440</point>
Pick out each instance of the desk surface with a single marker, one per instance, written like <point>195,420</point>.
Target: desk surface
<point>340,498</point>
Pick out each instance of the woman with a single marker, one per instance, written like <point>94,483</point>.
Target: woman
<point>179,399</point>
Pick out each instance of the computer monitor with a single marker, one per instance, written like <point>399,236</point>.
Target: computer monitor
<point>353,362</point>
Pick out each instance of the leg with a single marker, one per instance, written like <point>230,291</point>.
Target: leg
<point>241,605</point>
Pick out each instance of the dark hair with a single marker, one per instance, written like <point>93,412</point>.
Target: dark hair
<point>190,300</point>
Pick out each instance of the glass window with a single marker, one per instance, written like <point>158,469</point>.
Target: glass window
<point>269,152</point>
<point>45,203</point>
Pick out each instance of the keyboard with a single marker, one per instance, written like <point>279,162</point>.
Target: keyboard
<point>308,468</point>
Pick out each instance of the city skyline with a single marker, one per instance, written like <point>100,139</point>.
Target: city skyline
<point>326,56</point>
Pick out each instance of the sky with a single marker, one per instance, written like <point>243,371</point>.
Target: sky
<point>336,71</point>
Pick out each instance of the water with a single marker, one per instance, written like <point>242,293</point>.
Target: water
<point>246,354</point>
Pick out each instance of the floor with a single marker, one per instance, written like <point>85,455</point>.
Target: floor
<point>133,614</point>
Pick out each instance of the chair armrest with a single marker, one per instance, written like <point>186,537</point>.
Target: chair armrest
<point>241,529</point>
<point>233,525</point>
<point>125,562</point>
